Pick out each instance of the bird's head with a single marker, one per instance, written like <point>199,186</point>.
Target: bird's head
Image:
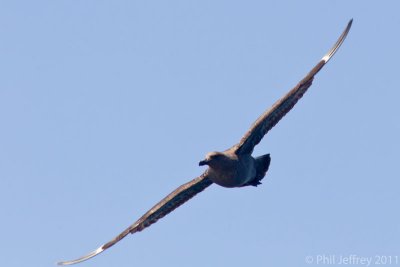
<point>211,158</point>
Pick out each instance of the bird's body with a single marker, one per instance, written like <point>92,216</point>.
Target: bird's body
<point>234,167</point>
<point>229,169</point>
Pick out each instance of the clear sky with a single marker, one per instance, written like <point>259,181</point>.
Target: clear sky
<point>107,106</point>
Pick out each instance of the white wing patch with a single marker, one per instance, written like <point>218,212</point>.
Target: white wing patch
<point>86,257</point>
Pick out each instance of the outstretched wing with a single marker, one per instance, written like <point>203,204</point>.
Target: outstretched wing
<point>162,208</point>
<point>272,116</point>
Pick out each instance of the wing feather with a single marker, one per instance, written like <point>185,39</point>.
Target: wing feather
<point>162,208</point>
<point>273,115</point>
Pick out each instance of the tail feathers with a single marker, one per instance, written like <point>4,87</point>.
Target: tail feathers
<point>262,165</point>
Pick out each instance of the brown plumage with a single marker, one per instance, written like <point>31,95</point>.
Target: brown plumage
<point>162,208</point>
<point>234,167</point>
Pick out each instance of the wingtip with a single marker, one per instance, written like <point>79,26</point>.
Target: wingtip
<point>338,43</point>
<point>84,258</point>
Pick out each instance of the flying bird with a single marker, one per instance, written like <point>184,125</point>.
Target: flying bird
<point>234,167</point>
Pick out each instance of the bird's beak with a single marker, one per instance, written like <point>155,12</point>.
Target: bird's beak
<point>203,162</point>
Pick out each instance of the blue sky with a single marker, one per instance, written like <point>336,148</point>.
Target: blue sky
<point>107,106</point>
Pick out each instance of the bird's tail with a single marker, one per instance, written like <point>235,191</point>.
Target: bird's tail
<point>262,165</point>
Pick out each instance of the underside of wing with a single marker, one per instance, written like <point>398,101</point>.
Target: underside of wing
<point>162,208</point>
<point>272,116</point>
